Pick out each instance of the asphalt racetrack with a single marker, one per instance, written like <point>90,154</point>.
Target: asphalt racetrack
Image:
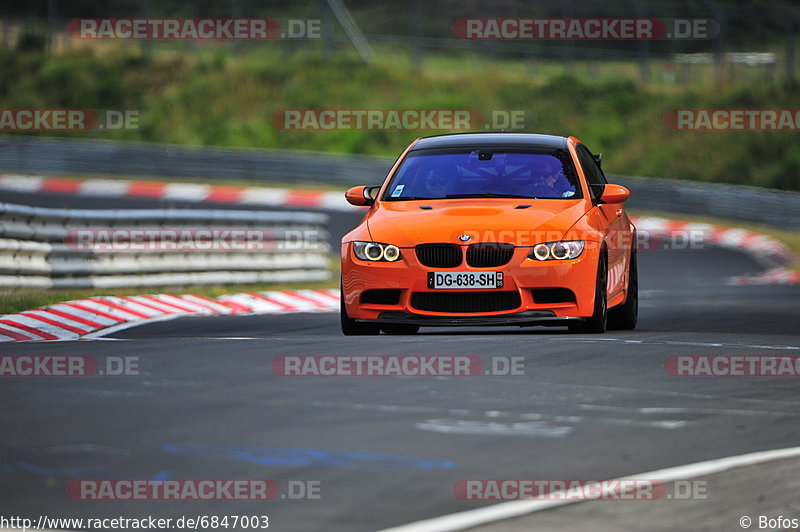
<point>386,451</point>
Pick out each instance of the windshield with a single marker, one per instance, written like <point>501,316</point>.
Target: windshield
<point>484,173</point>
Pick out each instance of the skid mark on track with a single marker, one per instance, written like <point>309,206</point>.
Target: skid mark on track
<point>685,410</point>
<point>80,448</point>
<point>539,429</point>
<point>518,423</point>
<point>78,471</point>
<point>568,414</point>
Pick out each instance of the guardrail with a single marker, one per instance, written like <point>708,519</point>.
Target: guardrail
<point>48,155</point>
<point>60,248</point>
<point>735,202</point>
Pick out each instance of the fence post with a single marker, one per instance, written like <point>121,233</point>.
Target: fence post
<point>644,45</point>
<point>791,28</point>
<point>144,9</point>
<point>568,48</point>
<point>719,16</point>
<point>236,12</point>
<point>328,41</point>
<point>52,16</point>
<point>417,52</point>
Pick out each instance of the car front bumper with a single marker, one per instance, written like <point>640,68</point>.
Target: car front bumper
<point>521,274</point>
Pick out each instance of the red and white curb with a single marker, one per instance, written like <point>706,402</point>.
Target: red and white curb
<point>775,276</point>
<point>766,250</point>
<point>93,317</point>
<point>96,316</point>
<point>193,192</point>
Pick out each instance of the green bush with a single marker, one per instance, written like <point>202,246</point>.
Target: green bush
<point>208,97</point>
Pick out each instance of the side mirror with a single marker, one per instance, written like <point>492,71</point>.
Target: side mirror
<point>360,196</point>
<point>614,194</point>
<point>599,160</point>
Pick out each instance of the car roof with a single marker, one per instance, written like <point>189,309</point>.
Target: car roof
<point>469,140</point>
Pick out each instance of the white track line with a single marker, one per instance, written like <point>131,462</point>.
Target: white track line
<point>676,342</point>
<point>507,510</point>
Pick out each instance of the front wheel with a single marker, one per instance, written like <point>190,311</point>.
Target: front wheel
<point>625,316</point>
<point>598,322</point>
<point>351,327</point>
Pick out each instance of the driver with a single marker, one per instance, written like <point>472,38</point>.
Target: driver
<point>435,181</point>
<point>550,182</point>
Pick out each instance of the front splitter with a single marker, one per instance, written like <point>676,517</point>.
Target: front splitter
<point>527,318</point>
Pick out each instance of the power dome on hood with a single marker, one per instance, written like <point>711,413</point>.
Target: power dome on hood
<point>406,225</point>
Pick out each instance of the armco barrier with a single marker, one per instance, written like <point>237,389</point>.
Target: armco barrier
<point>53,156</point>
<point>39,247</point>
<point>735,202</point>
<point>49,155</point>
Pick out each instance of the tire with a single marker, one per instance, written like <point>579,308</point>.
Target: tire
<point>351,327</point>
<point>598,322</point>
<point>400,328</point>
<point>625,316</point>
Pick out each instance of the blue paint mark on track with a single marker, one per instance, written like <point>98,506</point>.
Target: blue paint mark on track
<point>306,456</point>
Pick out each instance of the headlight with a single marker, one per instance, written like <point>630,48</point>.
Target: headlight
<point>561,250</point>
<point>391,253</point>
<point>375,251</point>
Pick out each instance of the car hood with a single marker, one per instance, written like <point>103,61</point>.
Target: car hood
<point>405,224</point>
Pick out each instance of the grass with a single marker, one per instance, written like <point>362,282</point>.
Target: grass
<point>18,301</point>
<point>209,97</point>
<point>309,185</point>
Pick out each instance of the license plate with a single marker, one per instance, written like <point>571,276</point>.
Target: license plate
<point>464,280</point>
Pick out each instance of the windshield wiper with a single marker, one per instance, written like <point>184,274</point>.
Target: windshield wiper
<point>486,195</point>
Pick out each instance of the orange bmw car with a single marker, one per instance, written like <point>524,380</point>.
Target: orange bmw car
<point>490,229</point>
